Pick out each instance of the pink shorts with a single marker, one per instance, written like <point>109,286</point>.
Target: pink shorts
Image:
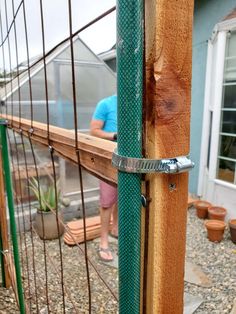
<point>108,194</point>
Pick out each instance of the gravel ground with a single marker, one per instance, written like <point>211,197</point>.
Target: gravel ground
<point>75,281</point>
<point>7,302</point>
<point>216,260</point>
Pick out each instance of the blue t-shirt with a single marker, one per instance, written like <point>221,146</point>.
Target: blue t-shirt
<point>106,111</point>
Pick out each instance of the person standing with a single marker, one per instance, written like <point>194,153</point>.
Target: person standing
<point>104,125</point>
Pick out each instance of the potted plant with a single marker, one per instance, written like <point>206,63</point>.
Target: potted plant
<point>47,211</point>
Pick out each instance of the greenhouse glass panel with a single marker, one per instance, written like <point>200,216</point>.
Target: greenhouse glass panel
<point>81,52</point>
<point>94,80</point>
<point>73,183</point>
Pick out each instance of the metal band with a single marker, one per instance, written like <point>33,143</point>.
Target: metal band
<point>142,165</point>
<point>3,122</point>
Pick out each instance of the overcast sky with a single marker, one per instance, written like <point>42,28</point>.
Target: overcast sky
<point>99,38</point>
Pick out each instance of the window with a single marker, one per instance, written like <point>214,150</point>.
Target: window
<point>226,169</point>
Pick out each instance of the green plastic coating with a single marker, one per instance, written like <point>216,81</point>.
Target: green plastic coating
<point>2,256</point>
<point>8,184</point>
<point>2,262</point>
<point>130,95</point>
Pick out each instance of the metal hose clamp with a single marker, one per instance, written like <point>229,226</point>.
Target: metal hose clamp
<point>143,165</point>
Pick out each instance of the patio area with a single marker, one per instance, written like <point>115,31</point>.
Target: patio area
<point>210,285</point>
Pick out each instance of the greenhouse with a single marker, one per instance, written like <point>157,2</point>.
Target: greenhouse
<point>90,88</point>
<point>89,68</point>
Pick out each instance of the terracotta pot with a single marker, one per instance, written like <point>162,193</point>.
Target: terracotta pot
<point>217,213</point>
<point>232,229</point>
<point>50,225</point>
<point>202,208</point>
<point>215,230</point>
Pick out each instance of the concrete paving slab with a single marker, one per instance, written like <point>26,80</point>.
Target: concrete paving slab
<point>191,303</point>
<point>194,275</point>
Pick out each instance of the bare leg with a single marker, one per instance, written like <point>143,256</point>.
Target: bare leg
<point>105,214</point>
<point>115,220</point>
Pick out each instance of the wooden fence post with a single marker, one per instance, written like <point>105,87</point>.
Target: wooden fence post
<point>168,49</point>
<point>3,224</point>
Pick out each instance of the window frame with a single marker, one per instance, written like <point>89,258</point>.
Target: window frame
<point>209,155</point>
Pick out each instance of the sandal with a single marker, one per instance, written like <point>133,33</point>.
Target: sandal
<point>113,235</point>
<point>102,250</point>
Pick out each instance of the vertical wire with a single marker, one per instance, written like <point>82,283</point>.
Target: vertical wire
<point>23,215</point>
<point>57,272</point>
<point>51,152</point>
<point>3,60</point>
<point>44,244</point>
<point>78,155</point>
<point>17,62</point>
<point>58,227</point>
<point>73,76</point>
<point>77,151</point>
<point>10,64</point>
<point>17,207</point>
<point>28,67</point>
<point>31,228</point>
<point>44,67</point>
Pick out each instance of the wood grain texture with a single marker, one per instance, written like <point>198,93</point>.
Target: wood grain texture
<point>76,230</point>
<point>168,49</point>
<point>168,28</point>
<point>3,223</point>
<point>95,153</point>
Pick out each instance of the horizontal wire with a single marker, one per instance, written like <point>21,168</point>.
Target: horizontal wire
<point>67,38</point>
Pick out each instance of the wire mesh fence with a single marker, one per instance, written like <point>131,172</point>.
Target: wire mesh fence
<point>60,88</point>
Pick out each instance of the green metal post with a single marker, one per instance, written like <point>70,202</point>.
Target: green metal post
<point>8,184</point>
<point>1,254</point>
<point>129,92</point>
<point>2,262</point>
